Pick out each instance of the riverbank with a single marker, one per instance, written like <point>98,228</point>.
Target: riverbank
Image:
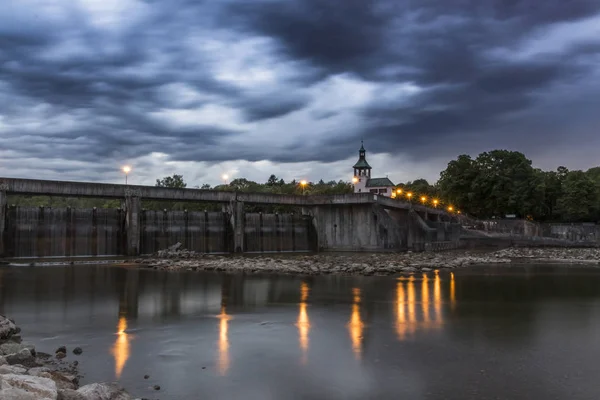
<point>27,374</point>
<point>176,259</point>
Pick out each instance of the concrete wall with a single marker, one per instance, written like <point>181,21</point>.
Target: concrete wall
<point>356,228</point>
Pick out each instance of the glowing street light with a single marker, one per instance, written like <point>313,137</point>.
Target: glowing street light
<point>423,199</point>
<point>450,208</point>
<point>435,202</point>
<point>303,184</point>
<point>409,195</point>
<point>399,191</point>
<point>127,170</point>
<point>354,180</point>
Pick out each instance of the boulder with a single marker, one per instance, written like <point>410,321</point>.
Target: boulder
<point>12,369</point>
<point>104,391</point>
<point>20,387</point>
<point>68,394</point>
<point>7,328</point>
<point>14,348</point>
<point>23,357</point>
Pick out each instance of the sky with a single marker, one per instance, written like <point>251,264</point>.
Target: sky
<point>251,88</point>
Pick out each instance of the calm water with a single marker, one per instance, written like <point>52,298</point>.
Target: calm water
<point>483,333</point>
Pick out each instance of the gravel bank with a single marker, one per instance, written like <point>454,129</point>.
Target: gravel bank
<point>177,259</point>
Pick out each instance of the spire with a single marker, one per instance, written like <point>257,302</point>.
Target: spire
<point>362,147</point>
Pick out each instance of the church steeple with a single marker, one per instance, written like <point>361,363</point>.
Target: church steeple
<point>362,167</point>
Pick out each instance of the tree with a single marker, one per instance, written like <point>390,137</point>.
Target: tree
<point>579,199</point>
<point>175,181</point>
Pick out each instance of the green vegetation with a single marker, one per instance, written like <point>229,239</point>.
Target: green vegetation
<point>502,182</point>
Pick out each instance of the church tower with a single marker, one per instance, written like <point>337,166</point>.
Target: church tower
<point>363,183</point>
<point>362,167</point>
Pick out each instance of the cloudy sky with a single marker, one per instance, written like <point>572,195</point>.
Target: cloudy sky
<point>254,87</point>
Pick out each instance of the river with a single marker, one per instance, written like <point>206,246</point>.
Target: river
<point>518,332</point>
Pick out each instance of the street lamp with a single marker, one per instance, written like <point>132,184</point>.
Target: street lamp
<point>127,170</point>
<point>435,202</point>
<point>303,183</point>
<point>399,191</point>
<point>409,195</point>
<point>450,208</point>
<point>354,180</point>
<point>423,199</point>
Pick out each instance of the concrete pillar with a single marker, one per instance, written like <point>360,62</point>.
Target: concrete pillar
<point>133,206</point>
<point>2,222</point>
<point>238,222</point>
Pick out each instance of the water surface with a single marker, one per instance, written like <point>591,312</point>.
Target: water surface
<point>482,333</point>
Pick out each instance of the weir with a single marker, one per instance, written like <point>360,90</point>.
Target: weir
<point>352,222</point>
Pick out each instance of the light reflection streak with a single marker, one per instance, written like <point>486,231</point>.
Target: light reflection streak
<point>400,311</point>
<point>452,292</point>
<point>303,322</point>
<point>120,349</point>
<point>425,299</point>
<point>223,341</point>
<point>356,326</point>
<point>408,319</point>
<point>437,297</point>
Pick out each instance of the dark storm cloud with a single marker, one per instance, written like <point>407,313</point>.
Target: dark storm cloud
<point>88,92</point>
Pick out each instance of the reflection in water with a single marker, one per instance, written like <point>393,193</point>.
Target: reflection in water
<point>452,291</point>
<point>356,325</point>
<point>400,311</point>
<point>303,323</point>
<point>121,347</point>
<point>425,299</point>
<point>437,296</point>
<point>223,341</point>
<point>406,304</point>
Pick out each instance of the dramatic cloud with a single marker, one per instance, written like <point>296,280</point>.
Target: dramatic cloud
<point>254,87</point>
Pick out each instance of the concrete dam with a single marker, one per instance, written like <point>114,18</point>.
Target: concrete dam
<point>352,222</point>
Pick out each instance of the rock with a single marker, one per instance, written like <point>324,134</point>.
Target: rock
<point>68,394</point>
<point>61,355</point>
<point>23,357</point>
<point>104,391</point>
<point>11,348</point>
<point>61,349</point>
<point>37,371</point>
<point>62,381</point>
<point>175,247</point>
<point>12,369</point>
<point>77,351</point>
<point>146,376</point>
<point>26,386</point>
<point>156,387</point>
<point>16,338</point>
<point>7,328</point>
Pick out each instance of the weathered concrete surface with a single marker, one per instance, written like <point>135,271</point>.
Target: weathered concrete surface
<point>356,228</point>
<point>133,207</point>
<point>2,220</point>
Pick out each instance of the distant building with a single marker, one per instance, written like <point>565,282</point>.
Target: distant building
<point>363,183</point>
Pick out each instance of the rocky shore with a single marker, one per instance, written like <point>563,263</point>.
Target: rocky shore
<point>177,259</point>
<point>27,374</point>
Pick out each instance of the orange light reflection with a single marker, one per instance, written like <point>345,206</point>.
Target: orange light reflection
<point>303,322</point>
<point>223,342</point>
<point>356,325</point>
<point>120,349</point>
